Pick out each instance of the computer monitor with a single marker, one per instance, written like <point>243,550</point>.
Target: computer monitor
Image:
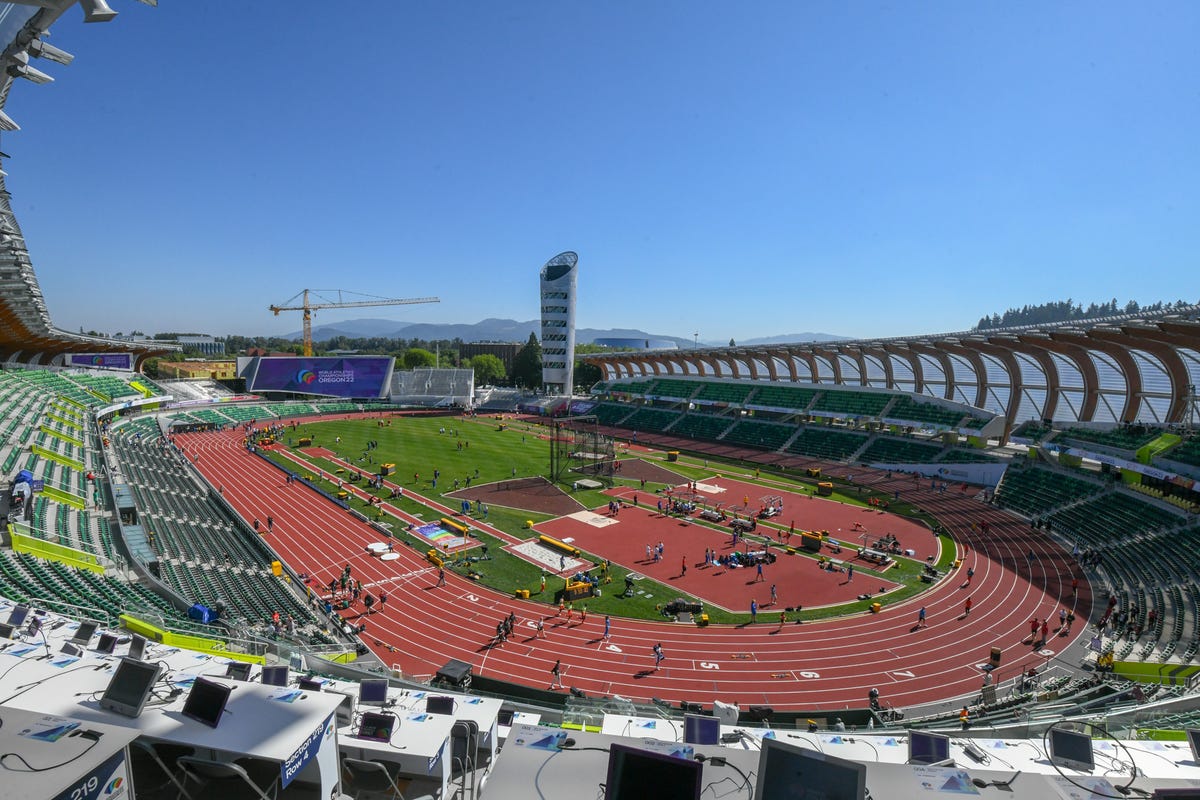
<point>931,749</point>
<point>1072,749</point>
<point>71,649</point>
<point>275,676</point>
<point>35,625</point>
<point>345,709</point>
<point>130,687</point>
<point>84,633</point>
<point>701,729</point>
<point>309,685</point>
<point>137,647</point>
<point>632,771</point>
<point>377,725</point>
<point>785,770</point>
<point>1176,793</point>
<point>439,704</point>
<point>6,630</point>
<point>372,691</point>
<point>17,616</point>
<point>505,717</point>
<point>238,671</point>
<point>206,701</point>
<point>106,644</point>
<point>1193,737</point>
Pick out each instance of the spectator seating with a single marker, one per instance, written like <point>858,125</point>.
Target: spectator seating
<point>907,409</point>
<point>612,413</point>
<point>1033,491</point>
<point>246,413</point>
<point>793,397</point>
<point>852,404</point>
<point>1122,438</point>
<point>899,451</point>
<point>965,455</point>
<point>669,387</point>
<point>733,393</point>
<point>702,426</point>
<point>1186,452</point>
<point>763,435</point>
<point>107,387</point>
<point>1114,516</point>
<point>633,387</point>
<point>209,556</point>
<point>826,444</point>
<point>651,419</point>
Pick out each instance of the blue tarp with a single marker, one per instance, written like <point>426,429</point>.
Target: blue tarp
<point>202,613</point>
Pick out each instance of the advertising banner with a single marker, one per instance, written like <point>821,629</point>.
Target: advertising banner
<point>121,361</point>
<point>350,377</point>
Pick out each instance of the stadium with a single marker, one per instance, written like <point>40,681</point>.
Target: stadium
<point>895,564</point>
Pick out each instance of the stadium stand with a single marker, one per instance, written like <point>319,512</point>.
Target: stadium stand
<point>826,444</point>
<point>1034,491</point>
<point>1120,438</point>
<point>651,419</point>
<point>852,404</point>
<point>887,450</point>
<point>434,388</point>
<point>702,426</point>
<point>784,397</point>
<point>762,435</point>
<point>612,413</point>
<point>673,389</point>
<point>1186,452</point>
<point>905,408</point>
<point>729,393</point>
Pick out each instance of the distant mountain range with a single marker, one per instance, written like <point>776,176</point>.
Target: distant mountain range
<point>510,330</point>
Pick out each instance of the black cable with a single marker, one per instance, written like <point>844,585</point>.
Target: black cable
<point>721,761</point>
<point>30,768</point>
<point>1123,791</point>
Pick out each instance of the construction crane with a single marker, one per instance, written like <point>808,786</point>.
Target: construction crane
<point>308,308</point>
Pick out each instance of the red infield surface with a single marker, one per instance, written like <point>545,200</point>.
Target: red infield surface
<point>825,665</point>
<point>798,580</point>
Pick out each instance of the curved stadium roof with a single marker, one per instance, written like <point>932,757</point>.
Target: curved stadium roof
<point>1125,368</point>
<point>27,334</point>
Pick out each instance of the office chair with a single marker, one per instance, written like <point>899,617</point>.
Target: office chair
<point>371,778</point>
<point>220,780</point>
<point>153,778</point>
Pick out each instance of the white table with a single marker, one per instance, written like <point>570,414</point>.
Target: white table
<point>43,740</point>
<point>665,730</point>
<point>257,722</point>
<point>420,745</point>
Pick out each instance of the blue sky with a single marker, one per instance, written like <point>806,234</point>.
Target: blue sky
<point>729,169</point>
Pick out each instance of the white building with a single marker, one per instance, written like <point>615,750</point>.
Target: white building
<point>558,323</point>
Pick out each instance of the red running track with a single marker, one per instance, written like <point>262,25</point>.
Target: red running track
<point>829,664</point>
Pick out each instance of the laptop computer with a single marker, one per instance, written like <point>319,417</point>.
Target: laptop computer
<point>377,725</point>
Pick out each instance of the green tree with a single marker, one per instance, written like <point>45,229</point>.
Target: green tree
<point>527,364</point>
<point>586,375</point>
<point>417,357</point>
<point>488,369</point>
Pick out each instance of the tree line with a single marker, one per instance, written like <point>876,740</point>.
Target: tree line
<point>1067,311</point>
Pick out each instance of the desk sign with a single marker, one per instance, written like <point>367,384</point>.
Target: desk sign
<point>290,767</point>
<point>109,781</point>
